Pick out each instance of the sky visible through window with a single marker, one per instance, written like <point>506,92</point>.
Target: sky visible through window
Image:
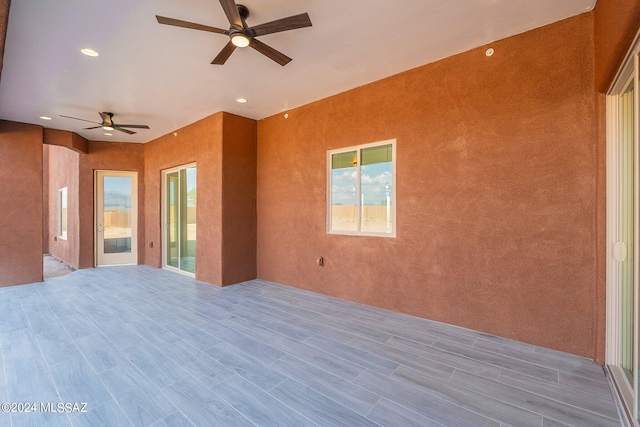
<point>375,184</point>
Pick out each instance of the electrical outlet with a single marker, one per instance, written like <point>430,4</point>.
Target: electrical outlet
<point>321,261</point>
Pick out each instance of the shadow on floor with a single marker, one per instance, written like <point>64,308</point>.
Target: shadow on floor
<point>53,267</point>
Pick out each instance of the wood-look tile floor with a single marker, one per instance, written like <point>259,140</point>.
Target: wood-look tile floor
<point>142,346</point>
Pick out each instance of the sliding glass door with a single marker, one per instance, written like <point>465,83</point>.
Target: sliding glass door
<point>179,218</point>
<point>623,227</point>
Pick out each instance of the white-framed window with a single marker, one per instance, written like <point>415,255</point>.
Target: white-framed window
<point>62,213</point>
<point>361,187</point>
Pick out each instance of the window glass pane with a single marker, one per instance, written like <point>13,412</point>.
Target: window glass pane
<point>344,199</point>
<point>172,220</point>
<point>181,206</point>
<point>376,180</point>
<point>361,193</point>
<point>117,214</point>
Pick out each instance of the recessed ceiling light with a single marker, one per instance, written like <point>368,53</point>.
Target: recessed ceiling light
<point>108,134</point>
<point>241,100</point>
<point>45,118</point>
<point>89,52</point>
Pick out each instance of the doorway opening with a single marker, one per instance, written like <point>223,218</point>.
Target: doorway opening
<point>623,234</point>
<point>116,221</point>
<point>179,203</point>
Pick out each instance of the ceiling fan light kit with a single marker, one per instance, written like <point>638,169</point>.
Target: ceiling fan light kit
<point>241,35</point>
<point>239,39</point>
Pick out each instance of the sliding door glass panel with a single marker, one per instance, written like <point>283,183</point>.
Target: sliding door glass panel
<point>172,220</point>
<point>117,214</point>
<point>627,225</point>
<point>180,219</point>
<point>188,220</point>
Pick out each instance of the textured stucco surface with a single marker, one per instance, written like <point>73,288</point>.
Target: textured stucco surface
<point>22,198</point>
<point>118,156</point>
<point>200,142</point>
<point>64,138</point>
<point>238,199</point>
<point>62,170</point>
<point>226,223</point>
<point>495,191</point>
<point>616,23</point>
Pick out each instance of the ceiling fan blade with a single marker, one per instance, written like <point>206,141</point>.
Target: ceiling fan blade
<point>75,118</point>
<point>133,126</point>
<point>94,127</point>
<point>270,52</point>
<point>231,10</point>
<point>224,54</point>
<point>186,24</point>
<point>284,24</point>
<point>118,128</point>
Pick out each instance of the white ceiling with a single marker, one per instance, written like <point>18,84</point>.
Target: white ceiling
<point>161,76</point>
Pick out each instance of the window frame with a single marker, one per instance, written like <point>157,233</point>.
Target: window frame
<point>358,149</point>
<point>63,233</point>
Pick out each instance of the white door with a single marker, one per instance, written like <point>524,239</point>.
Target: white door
<point>116,221</point>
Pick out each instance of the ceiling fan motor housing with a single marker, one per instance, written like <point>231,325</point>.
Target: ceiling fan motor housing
<point>108,119</point>
<point>243,11</point>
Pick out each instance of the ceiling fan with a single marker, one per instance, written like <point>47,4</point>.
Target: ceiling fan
<point>241,35</point>
<point>109,125</point>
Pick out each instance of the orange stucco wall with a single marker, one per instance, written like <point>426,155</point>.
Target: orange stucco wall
<point>117,156</point>
<point>63,138</point>
<point>62,170</point>
<point>239,199</point>
<point>495,191</point>
<point>225,242</point>
<point>200,142</point>
<point>616,24</point>
<point>22,199</point>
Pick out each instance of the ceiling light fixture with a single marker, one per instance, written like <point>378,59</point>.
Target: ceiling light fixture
<point>89,52</point>
<point>108,134</point>
<point>239,39</point>
<point>241,100</point>
<point>45,118</point>
<point>107,128</point>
